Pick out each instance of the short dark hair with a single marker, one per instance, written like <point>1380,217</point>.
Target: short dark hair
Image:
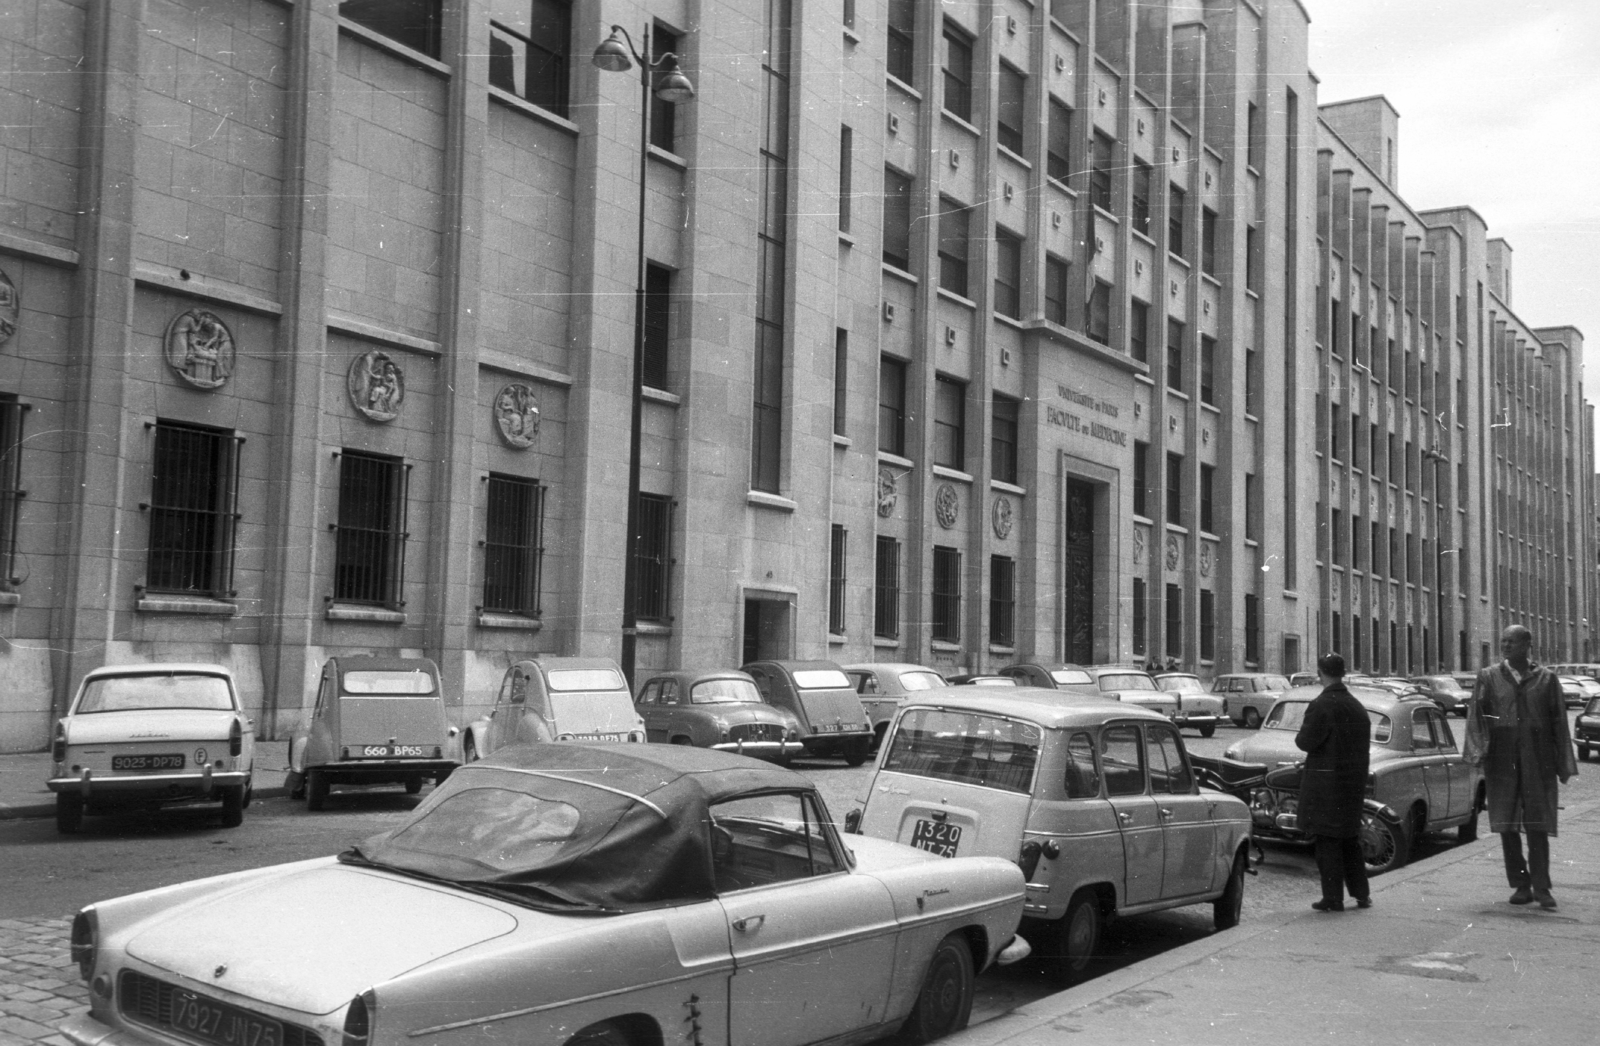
<point>1331,665</point>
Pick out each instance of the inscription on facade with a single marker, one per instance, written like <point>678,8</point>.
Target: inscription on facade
<point>1085,423</point>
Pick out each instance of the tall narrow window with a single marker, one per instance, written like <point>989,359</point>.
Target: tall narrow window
<point>193,503</point>
<point>513,551</point>
<point>1252,629</point>
<point>11,414</point>
<point>846,154</point>
<point>1208,241</point>
<point>1097,318</point>
<point>1208,370</point>
<point>1058,146</point>
<point>1140,192</point>
<point>530,44</point>
<point>1139,330</point>
<point>1057,272</point>
<point>841,378</point>
<point>1252,508</point>
<point>1002,601</point>
<point>1007,274</point>
<point>1174,621</point>
<point>771,308</point>
<point>657,326</point>
<point>892,406</point>
<point>1003,439</point>
<point>653,559</point>
<point>836,579</point>
<point>949,423</point>
<point>1175,220</point>
<point>1175,331</point>
<point>1252,382</point>
<point>886,589</point>
<point>1141,479</point>
<point>1257,147</point>
<point>954,245</point>
<point>897,219</point>
<point>1100,171</point>
<point>663,118</point>
<point>1208,482</point>
<point>1175,489</point>
<point>414,23</point>
<point>1140,626</point>
<point>1012,88</point>
<point>1208,625</point>
<point>902,29</point>
<point>1252,259</point>
<point>369,556</point>
<point>946,594</point>
<point>957,72</point>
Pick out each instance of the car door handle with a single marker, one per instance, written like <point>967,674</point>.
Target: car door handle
<point>1125,817</point>
<point>749,923</point>
<point>1165,812</point>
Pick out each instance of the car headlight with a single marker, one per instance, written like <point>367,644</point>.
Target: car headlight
<point>85,941</point>
<point>358,1019</point>
<point>1231,752</point>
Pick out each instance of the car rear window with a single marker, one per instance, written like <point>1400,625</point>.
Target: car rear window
<point>390,684</point>
<point>724,691</point>
<point>1127,681</point>
<point>1183,684</point>
<point>1274,683</point>
<point>1071,675</point>
<point>914,681</point>
<point>140,692</point>
<point>585,679</point>
<point>966,747</point>
<point>1594,707</point>
<point>821,679</point>
<point>1291,715</point>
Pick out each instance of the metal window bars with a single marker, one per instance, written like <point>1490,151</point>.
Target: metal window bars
<point>886,589</point>
<point>193,510</point>
<point>11,493</point>
<point>513,546</point>
<point>946,594</point>
<point>653,558</point>
<point>369,557</point>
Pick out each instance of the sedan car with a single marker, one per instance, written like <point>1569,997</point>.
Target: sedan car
<point>571,895</point>
<point>156,734</point>
<point>1197,706</point>
<point>1586,729</point>
<point>1573,692</point>
<point>823,700</point>
<point>718,709</point>
<point>1096,800</point>
<point>1248,696</point>
<point>547,698</point>
<point>1417,774</point>
<point>1445,692</point>
<point>1071,678</point>
<point>881,685</point>
<point>980,679</point>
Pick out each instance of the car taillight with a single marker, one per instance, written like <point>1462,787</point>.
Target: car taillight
<point>58,748</point>
<point>358,1019</point>
<point>235,739</point>
<point>85,941</point>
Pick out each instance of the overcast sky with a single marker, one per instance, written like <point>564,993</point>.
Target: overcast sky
<point>1499,106</point>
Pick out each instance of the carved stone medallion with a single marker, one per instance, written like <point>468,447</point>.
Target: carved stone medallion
<point>1205,559</point>
<point>1002,517</point>
<point>516,415</point>
<point>1174,555</point>
<point>946,505</point>
<point>887,493</point>
<point>199,349</point>
<point>10,306</point>
<point>377,386</point>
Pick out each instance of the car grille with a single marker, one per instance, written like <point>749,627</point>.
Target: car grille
<point>148,1000</point>
<point>756,732</point>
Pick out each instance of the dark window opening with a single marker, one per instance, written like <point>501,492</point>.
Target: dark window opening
<point>886,589</point>
<point>193,510</point>
<point>652,561</point>
<point>657,326</point>
<point>836,579</point>
<point>413,23</point>
<point>946,594</point>
<point>949,423</point>
<point>513,545</point>
<point>892,406</point>
<point>1002,600</point>
<point>369,560</point>
<point>530,44</point>
<point>1003,439</point>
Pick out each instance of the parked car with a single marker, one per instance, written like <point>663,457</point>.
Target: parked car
<point>1591,687</point>
<point>1136,686</point>
<point>1303,679</point>
<point>980,679</point>
<point>1445,692</point>
<point>547,698</point>
<point>1248,696</point>
<point>1572,692</point>
<point>718,709</point>
<point>1096,800</point>
<point>1586,729</point>
<point>1071,678</point>
<point>832,720</point>
<point>881,685</point>
<point>1197,706</point>
<point>1417,774</point>
<point>1467,680</point>
<point>512,905</point>
<point>376,720</point>
<point>154,734</point>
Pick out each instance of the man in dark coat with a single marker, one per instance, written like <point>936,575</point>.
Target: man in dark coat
<point>1517,729</point>
<point>1336,736</point>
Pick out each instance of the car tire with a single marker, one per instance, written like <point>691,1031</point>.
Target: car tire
<point>1468,831</point>
<point>249,791</point>
<point>856,751</point>
<point>1207,731</point>
<point>469,751</point>
<point>1225,910</point>
<point>69,813</point>
<point>233,806</point>
<point>1252,719</point>
<point>1384,845</point>
<point>1583,752</point>
<point>606,1033</point>
<point>316,789</point>
<point>945,1003</point>
<point>1075,938</point>
<point>413,784</point>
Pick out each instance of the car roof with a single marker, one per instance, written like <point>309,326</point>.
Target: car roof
<point>383,664</point>
<point>1049,708</point>
<point>561,664</point>
<point>148,668</point>
<point>1252,675</point>
<point>1104,669</point>
<point>1374,698</point>
<point>797,666</point>
<point>695,675</point>
<point>890,666</point>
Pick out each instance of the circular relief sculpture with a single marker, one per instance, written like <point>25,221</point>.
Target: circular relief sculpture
<point>1172,552</point>
<point>1002,516</point>
<point>377,386</point>
<point>516,415</point>
<point>946,505</point>
<point>199,349</point>
<point>10,307</point>
<point>1205,560</point>
<point>887,493</point>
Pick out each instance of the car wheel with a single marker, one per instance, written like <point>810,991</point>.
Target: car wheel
<point>249,791</point>
<point>1207,731</point>
<point>1468,832</point>
<point>1583,752</point>
<point>1252,719</point>
<point>945,1003</point>
<point>69,814</point>
<point>413,784</point>
<point>1076,938</point>
<point>295,784</point>
<point>469,750</point>
<point>1384,845</point>
<point>606,1033</point>
<point>233,806</point>
<point>316,789</point>
<point>856,751</point>
<point>1225,910</point>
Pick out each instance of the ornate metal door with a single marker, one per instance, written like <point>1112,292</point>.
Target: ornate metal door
<point>1078,597</point>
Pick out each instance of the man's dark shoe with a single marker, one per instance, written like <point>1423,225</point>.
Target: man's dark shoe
<point>1544,899</point>
<point>1363,902</point>
<point>1522,896</point>
<point>1328,906</point>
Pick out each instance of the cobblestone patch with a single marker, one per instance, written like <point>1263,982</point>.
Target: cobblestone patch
<point>38,984</point>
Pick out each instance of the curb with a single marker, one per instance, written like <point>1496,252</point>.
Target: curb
<point>47,807</point>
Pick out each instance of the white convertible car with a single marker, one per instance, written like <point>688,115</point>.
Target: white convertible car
<point>569,894</point>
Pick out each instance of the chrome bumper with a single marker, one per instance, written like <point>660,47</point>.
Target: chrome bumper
<point>761,749</point>
<point>88,783</point>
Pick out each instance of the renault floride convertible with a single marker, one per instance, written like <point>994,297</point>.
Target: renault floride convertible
<point>576,894</point>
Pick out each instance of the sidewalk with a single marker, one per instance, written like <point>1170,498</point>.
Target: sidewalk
<point>23,792</point>
<point>1440,958</point>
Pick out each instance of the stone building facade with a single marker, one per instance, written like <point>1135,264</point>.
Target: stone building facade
<point>974,331</point>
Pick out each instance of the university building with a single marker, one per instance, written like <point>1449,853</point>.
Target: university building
<point>972,332</point>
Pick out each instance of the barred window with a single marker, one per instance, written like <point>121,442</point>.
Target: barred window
<point>369,562</point>
<point>886,589</point>
<point>530,44</point>
<point>1174,621</point>
<point>946,594</point>
<point>193,510</point>
<point>11,492</point>
<point>836,579</point>
<point>653,558</point>
<point>513,540</point>
<point>1208,625</point>
<point>1002,600</point>
<point>1139,626</point>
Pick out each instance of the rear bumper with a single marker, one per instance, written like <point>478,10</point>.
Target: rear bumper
<point>835,742</point>
<point>354,768</point>
<point>761,749</point>
<point>89,784</point>
<point>1196,718</point>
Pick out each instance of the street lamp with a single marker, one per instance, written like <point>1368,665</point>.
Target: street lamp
<point>616,54</point>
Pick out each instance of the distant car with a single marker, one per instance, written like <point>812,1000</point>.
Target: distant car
<point>1465,680</point>
<point>1069,677</point>
<point>1096,800</point>
<point>154,734</point>
<point>719,709</point>
<point>832,719</point>
<point>1573,692</point>
<point>1417,773</point>
<point>979,679</point>
<point>881,685</point>
<point>680,896</point>
<point>1303,679</point>
<point>1445,692</point>
<point>1586,729</point>
<point>1249,696</point>
<point>377,720</point>
<point>1591,687</point>
<point>1198,707</point>
<point>546,698</point>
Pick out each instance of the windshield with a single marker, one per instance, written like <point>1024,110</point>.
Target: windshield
<point>724,692</point>
<point>1291,715</point>
<point>388,683</point>
<point>1186,684</point>
<point>133,693</point>
<point>1127,681</point>
<point>913,681</point>
<point>966,747</point>
<point>1070,675</point>
<point>585,679</point>
<point>821,679</point>
<point>1594,707</point>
